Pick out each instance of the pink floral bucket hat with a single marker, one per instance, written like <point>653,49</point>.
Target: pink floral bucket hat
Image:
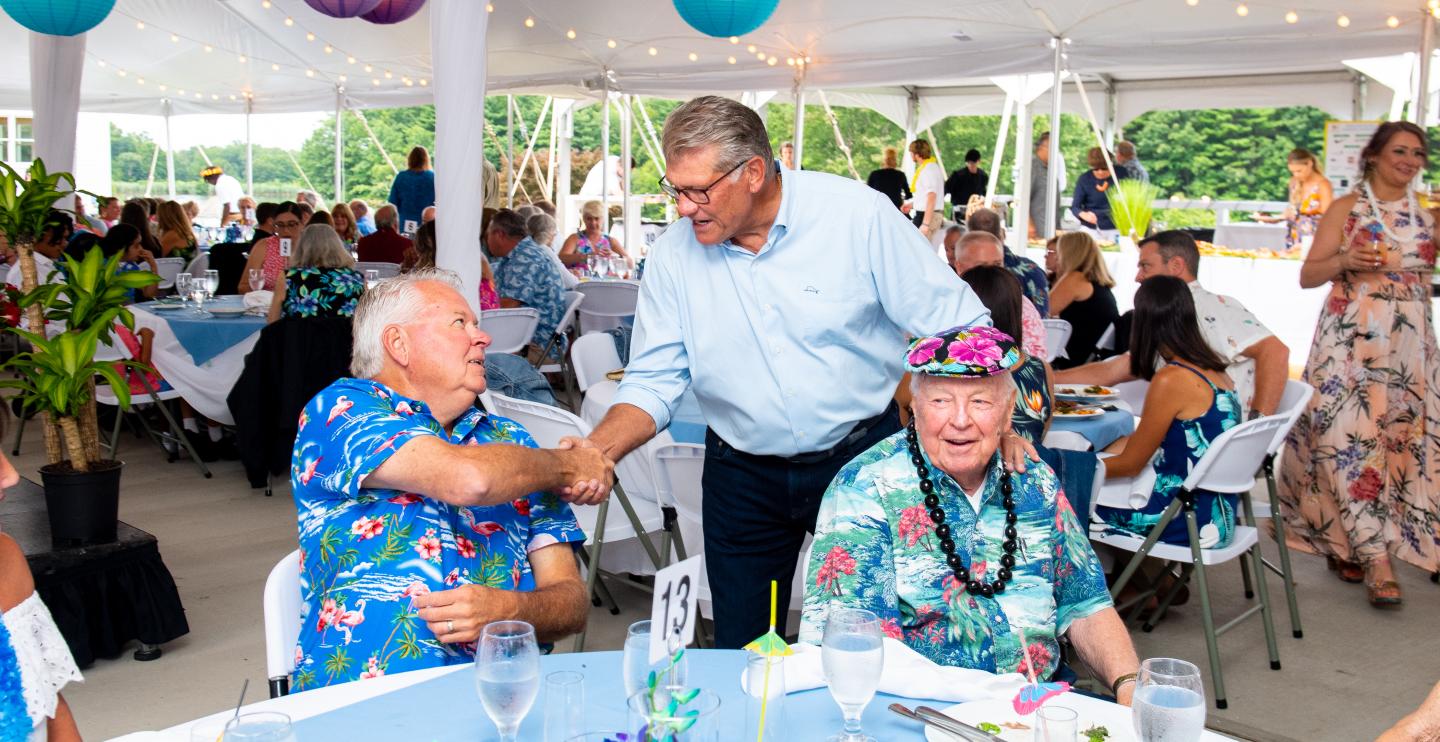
<point>968,352</point>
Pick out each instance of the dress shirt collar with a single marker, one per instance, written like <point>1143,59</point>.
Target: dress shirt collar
<point>781,225</point>
<point>464,425</point>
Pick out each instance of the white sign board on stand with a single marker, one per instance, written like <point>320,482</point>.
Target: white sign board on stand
<point>1343,142</point>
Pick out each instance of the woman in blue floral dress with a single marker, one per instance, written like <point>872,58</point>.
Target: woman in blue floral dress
<point>321,280</point>
<point>1191,401</point>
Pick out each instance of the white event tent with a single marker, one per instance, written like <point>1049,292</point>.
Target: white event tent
<point>915,63</point>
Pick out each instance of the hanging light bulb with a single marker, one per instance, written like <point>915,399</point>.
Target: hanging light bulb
<point>274,67</point>
<point>424,82</point>
<point>198,96</point>
<point>329,49</point>
<point>771,61</point>
<point>234,97</point>
<point>139,25</point>
<point>351,60</point>
<point>1392,22</point>
<point>654,51</point>
<point>209,48</point>
<point>289,21</point>
<point>121,73</point>
<point>375,81</point>
<point>389,75</point>
<point>1242,10</point>
<point>163,87</point>
<point>790,61</point>
<point>242,59</point>
<point>368,68</point>
<point>731,60</point>
<point>611,43</point>
<point>570,34</point>
<point>761,56</point>
<point>1343,21</point>
<point>309,36</point>
<point>309,73</point>
<point>694,57</point>
<point>103,64</point>
<point>1192,3</point>
<point>1292,17</point>
<point>807,59</point>
<point>139,81</point>
<point>489,7</point>
<point>175,38</point>
<point>529,22</point>
<point>750,48</point>
<point>265,4</point>
<point>344,78</point>
<point>214,96</point>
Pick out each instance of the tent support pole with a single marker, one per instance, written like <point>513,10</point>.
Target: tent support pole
<point>566,130</point>
<point>300,170</point>
<point>1357,97</point>
<point>249,148</point>
<point>169,154</point>
<point>605,173</point>
<point>550,155</point>
<point>510,169</point>
<point>1010,104</point>
<point>1427,50</point>
<point>912,128</point>
<point>798,140</point>
<point>1112,112</point>
<point>1021,203</point>
<point>1053,185</point>
<point>627,144</point>
<point>939,159</point>
<point>339,144</point>
<point>150,181</point>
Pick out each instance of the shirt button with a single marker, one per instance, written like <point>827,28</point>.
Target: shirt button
<point>775,348</point>
<point>769,308</point>
<point>802,434</point>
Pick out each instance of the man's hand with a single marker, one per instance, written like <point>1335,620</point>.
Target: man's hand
<point>906,207</point>
<point>458,615</point>
<point>594,473</point>
<point>1015,451</point>
<point>1087,216</point>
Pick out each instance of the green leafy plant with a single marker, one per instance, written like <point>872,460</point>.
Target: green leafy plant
<point>1131,206</point>
<point>665,721</point>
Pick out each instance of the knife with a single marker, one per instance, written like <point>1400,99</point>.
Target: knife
<point>954,726</point>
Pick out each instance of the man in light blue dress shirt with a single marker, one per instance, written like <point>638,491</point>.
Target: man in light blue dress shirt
<point>783,299</point>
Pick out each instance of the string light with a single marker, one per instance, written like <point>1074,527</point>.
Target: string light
<point>209,48</point>
<point>1392,22</point>
<point>1292,17</point>
<point>289,21</point>
<point>375,81</point>
<point>329,49</point>
<point>734,39</point>
<point>350,60</point>
<point>369,69</point>
<point>694,57</point>
<point>163,88</point>
<point>242,59</point>
<point>761,56</point>
<point>234,97</point>
<point>529,22</point>
<point>731,60</point>
<point>102,63</point>
<point>790,61</point>
<point>1242,10</point>
<point>610,43</point>
<point>309,73</point>
<point>771,61</point>
<point>139,25</point>
<point>750,48</point>
<point>121,73</point>
<point>489,7</point>
<point>274,67</point>
<point>1343,21</point>
<point>309,36</point>
<point>344,78</point>
<point>388,75</point>
<point>654,51</point>
<point>570,34</point>
<point>424,82</point>
<point>175,38</point>
<point>1192,3</point>
<point>140,81</point>
<point>807,59</point>
<point>265,4</point>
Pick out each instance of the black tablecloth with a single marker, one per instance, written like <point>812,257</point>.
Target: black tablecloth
<point>101,596</point>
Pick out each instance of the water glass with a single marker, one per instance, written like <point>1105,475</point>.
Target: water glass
<point>564,705</point>
<point>182,286</point>
<point>1056,724</point>
<point>212,283</point>
<point>507,674</point>
<point>853,654</point>
<point>764,698</point>
<point>198,295</point>
<point>257,279</point>
<point>1169,702</point>
<point>636,661</point>
<point>266,726</point>
<point>372,277</point>
<point>652,720</point>
<point>591,265</point>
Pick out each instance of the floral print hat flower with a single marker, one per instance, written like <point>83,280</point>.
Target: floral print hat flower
<point>967,352</point>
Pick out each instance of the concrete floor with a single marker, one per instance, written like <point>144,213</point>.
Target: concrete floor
<point>1354,673</point>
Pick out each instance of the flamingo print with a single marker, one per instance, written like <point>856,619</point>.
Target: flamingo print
<point>342,406</point>
<point>390,442</point>
<point>484,528</point>
<point>348,620</point>
<point>404,408</point>
<point>309,472</point>
<point>405,498</point>
<point>304,419</point>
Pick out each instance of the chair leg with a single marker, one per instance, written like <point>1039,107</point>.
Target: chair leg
<point>1145,548</point>
<point>1245,576</point>
<point>176,429</point>
<point>1208,618</point>
<point>1170,595</point>
<point>593,575</point>
<point>1285,574</point>
<point>19,434</point>
<point>640,534</point>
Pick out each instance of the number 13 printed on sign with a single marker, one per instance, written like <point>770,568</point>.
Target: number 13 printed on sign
<point>674,609</point>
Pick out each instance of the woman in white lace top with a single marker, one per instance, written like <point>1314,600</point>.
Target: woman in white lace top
<point>34,661</point>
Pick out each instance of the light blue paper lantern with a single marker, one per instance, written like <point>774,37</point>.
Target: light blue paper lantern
<point>725,18</point>
<point>58,17</point>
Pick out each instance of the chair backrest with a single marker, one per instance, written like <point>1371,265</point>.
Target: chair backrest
<point>169,268</point>
<point>385,270</point>
<point>1293,403</point>
<point>1133,394</point>
<point>572,309</point>
<point>199,264</point>
<point>606,302</point>
<point>510,329</point>
<point>1057,334</point>
<point>592,356</point>
<point>282,616</point>
<point>1233,458</point>
<point>1107,339</point>
<point>678,468</point>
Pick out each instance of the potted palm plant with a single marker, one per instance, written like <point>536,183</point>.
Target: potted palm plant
<point>1131,206</point>
<point>56,376</point>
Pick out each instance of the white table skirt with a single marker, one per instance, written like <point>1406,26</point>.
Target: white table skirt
<point>1251,236</point>
<point>205,386</point>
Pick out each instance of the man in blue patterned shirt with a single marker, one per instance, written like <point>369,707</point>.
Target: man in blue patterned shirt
<point>422,518</point>
<point>524,275</point>
<point>1031,276</point>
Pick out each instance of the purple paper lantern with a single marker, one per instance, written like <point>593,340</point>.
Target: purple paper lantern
<point>394,11</point>
<point>343,8</point>
<point>58,17</point>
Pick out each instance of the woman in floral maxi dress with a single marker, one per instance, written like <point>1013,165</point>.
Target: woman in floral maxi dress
<point>1361,479</point>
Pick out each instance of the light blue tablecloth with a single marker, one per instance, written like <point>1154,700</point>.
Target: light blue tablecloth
<point>447,708</point>
<point>205,336</point>
<point>1100,430</point>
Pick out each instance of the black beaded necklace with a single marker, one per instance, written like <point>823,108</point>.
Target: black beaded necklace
<point>942,530</point>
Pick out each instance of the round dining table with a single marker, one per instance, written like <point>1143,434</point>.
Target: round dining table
<point>200,354</point>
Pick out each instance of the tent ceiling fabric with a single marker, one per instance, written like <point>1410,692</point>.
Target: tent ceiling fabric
<point>853,44</point>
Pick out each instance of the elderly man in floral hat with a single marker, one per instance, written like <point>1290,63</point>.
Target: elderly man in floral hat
<point>979,567</point>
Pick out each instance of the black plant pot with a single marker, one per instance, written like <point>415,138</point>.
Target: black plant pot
<point>83,506</point>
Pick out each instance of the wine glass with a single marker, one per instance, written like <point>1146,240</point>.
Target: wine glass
<point>182,286</point>
<point>1169,702</point>
<point>257,279</point>
<point>636,665</point>
<point>852,653</point>
<point>212,283</point>
<point>507,674</point>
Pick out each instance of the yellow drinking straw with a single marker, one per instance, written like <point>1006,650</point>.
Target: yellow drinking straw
<point>769,645</point>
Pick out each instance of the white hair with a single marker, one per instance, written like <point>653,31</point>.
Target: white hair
<point>394,301</point>
<point>1006,381</point>
<point>541,227</point>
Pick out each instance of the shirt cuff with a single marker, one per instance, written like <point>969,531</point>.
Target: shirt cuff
<point>645,399</point>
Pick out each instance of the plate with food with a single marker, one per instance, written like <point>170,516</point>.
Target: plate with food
<point>1099,721</point>
<point>1071,408</point>
<point>615,375</point>
<point>1085,391</point>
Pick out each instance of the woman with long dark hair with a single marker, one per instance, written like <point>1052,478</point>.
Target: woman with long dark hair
<point>136,213</point>
<point>1362,478</point>
<point>1191,401</point>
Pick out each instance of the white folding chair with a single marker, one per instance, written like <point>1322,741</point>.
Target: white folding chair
<point>383,270</point>
<point>510,330</point>
<point>547,425</point>
<point>567,320</point>
<point>281,603</point>
<point>199,264</point>
<point>1133,394</point>
<point>605,303</point>
<point>1293,403</point>
<point>168,269</point>
<point>1228,467</point>
<point>104,395</point>
<point>1106,341</point>
<point>1057,334</point>
<point>592,356</point>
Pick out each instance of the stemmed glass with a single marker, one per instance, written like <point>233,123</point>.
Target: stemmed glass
<point>182,286</point>
<point>257,279</point>
<point>635,662</point>
<point>853,654</point>
<point>212,283</point>
<point>1169,702</point>
<point>507,674</point>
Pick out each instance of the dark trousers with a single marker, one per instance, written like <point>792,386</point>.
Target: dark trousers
<point>756,511</point>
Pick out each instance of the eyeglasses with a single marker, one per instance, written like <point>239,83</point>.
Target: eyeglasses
<point>287,225</point>
<point>697,196</point>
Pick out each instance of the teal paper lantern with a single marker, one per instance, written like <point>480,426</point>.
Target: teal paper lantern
<point>58,17</point>
<point>725,18</point>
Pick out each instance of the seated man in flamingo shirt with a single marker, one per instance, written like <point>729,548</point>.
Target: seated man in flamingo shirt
<point>421,517</point>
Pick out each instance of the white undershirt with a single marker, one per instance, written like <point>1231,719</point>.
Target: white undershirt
<point>975,498</point>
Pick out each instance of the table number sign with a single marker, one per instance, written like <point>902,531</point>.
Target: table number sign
<point>677,594</point>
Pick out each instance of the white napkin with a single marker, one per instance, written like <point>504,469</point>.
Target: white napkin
<point>1128,493</point>
<point>259,299</point>
<point>907,673</point>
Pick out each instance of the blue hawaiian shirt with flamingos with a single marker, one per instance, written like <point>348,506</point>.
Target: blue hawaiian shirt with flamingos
<point>876,548</point>
<point>364,552</point>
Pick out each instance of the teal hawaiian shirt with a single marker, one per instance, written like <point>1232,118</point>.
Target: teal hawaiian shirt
<point>875,548</point>
<point>365,552</point>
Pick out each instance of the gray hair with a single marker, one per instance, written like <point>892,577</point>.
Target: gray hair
<point>541,227</point>
<point>1005,381</point>
<point>733,129</point>
<point>320,247</point>
<point>526,210</point>
<point>385,216</point>
<point>393,301</point>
